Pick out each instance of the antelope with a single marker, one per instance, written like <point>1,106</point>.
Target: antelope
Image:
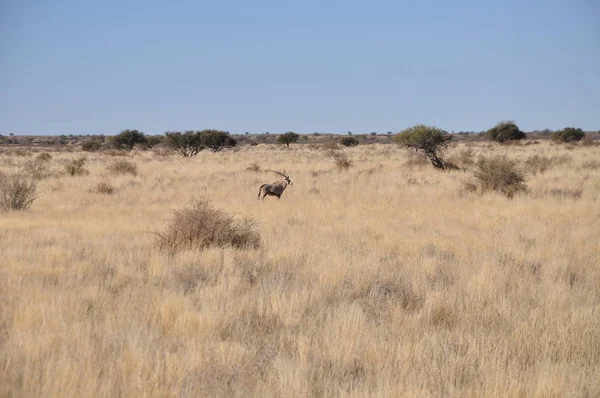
<point>276,188</point>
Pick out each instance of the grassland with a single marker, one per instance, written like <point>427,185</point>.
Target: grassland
<point>383,280</point>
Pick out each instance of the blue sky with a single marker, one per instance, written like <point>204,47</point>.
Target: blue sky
<point>76,67</point>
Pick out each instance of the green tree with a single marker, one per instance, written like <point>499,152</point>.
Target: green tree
<point>505,131</point>
<point>349,141</point>
<point>153,140</point>
<point>217,140</point>
<point>288,138</point>
<point>428,141</point>
<point>568,134</point>
<point>127,139</point>
<point>186,144</point>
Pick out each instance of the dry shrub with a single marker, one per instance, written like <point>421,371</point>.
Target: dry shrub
<point>565,193</point>
<point>539,164</point>
<point>21,152</point>
<point>341,161</point>
<point>255,167</point>
<point>587,140</point>
<point>497,174</point>
<point>199,225</point>
<point>114,152</point>
<point>17,191</point>
<point>104,187</point>
<point>331,145</point>
<point>123,167</point>
<point>75,167</point>
<point>591,164</point>
<point>162,151</point>
<point>37,169</point>
<point>44,157</point>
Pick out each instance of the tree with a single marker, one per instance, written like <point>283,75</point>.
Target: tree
<point>186,144</point>
<point>127,139</point>
<point>427,141</point>
<point>505,131</point>
<point>217,140</point>
<point>154,140</point>
<point>568,134</point>
<point>349,141</point>
<point>288,138</point>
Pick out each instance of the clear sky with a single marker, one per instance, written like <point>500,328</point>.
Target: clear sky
<point>79,67</point>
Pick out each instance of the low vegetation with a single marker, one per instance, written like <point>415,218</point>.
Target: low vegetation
<point>17,191</point>
<point>497,174</point>
<point>387,279</point>
<point>123,167</point>
<point>199,225</point>
<point>76,167</point>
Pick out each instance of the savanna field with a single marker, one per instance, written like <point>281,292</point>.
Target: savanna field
<point>386,278</point>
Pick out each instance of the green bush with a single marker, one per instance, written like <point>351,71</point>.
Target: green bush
<point>429,141</point>
<point>568,134</point>
<point>288,138</point>
<point>217,140</point>
<point>127,139</point>
<point>505,131</point>
<point>186,144</point>
<point>349,141</point>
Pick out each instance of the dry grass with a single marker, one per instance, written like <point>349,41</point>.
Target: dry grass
<point>123,167</point>
<point>366,284</point>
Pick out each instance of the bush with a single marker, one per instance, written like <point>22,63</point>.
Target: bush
<point>104,187</point>
<point>37,169</point>
<point>591,164</point>
<point>349,141</point>
<point>426,140</point>
<point>255,167</point>
<point>127,139</point>
<point>76,167</point>
<point>91,146</point>
<point>186,144</point>
<point>199,225</point>
<point>17,191</point>
<point>44,157</point>
<point>568,134</point>
<point>217,140</point>
<point>497,174</point>
<point>341,161</point>
<point>505,131</point>
<point>153,140</point>
<point>288,138</point>
<point>123,167</point>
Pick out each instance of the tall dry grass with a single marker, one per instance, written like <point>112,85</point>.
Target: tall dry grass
<point>385,280</point>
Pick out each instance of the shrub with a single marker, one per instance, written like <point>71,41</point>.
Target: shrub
<point>75,167</point>
<point>349,141</point>
<point>587,140</point>
<point>287,138</point>
<point>505,131</point>
<point>217,140</point>
<point>17,191</point>
<point>497,174</point>
<point>568,134</point>
<point>104,187</point>
<point>186,144</point>
<point>37,169</point>
<point>44,157</point>
<point>127,139</point>
<point>199,225</point>
<point>123,167</point>
<point>91,146</point>
<point>153,140</point>
<point>255,167</point>
<point>341,161</point>
<point>538,164</point>
<point>591,164</point>
<point>426,140</point>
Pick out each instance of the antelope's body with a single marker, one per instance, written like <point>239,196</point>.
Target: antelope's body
<point>276,188</point>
